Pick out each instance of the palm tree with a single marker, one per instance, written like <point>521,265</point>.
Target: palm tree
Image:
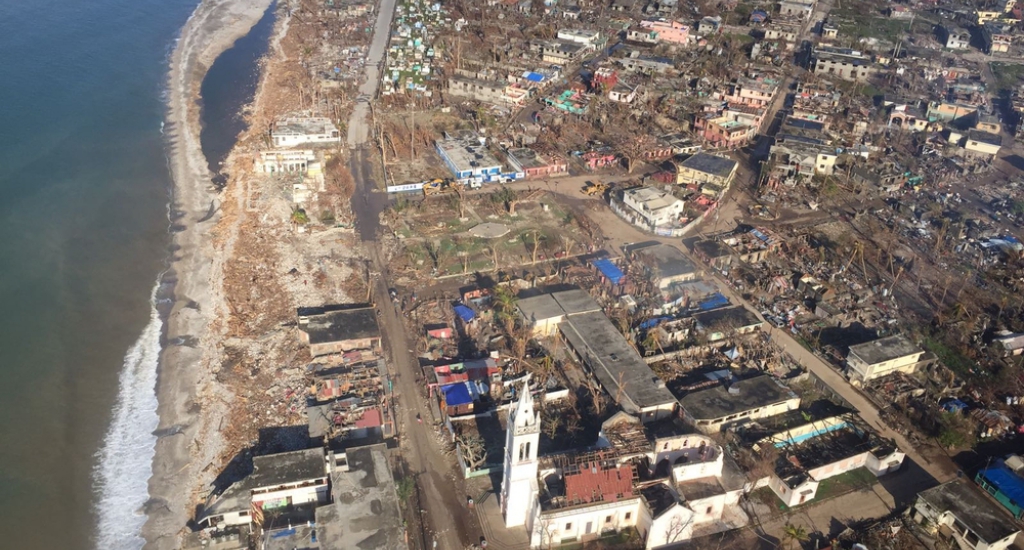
<point>505,306</point>
<point>794,534</point>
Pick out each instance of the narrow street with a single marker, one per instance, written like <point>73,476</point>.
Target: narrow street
<point>438,497</point>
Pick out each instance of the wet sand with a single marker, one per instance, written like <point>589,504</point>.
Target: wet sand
<point>191,402</point>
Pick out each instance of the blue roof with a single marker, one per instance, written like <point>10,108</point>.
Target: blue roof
<point>456,394</point>
<point>716,300</point>
<point>465,313</point>
<point>534,77</point>
<point>1008,483</point>
<point>609,270</point>
<point>651,323</point>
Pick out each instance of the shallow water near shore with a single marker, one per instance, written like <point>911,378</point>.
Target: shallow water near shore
<point>83,213</point>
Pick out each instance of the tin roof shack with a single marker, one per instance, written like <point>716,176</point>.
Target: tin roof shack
<point>1002,479</point>
<point>958,512</point>
<point>364,513</point>
<point>719,324</point>
<point>711,172</point>
<point>298,130</point>
<point>713,409</point>
<point>801,468</point>
<point>293,479</point>
<point>338,328</point>
<point>882,357</point>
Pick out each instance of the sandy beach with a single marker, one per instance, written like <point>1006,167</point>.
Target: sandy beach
<point>191,402</point>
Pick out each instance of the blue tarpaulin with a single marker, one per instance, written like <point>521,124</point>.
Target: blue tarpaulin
<point>716,300</point>
<point>456,394</point>
<point>954,405</point>
<point>1001,477</point>
<point>609,270</point>
<point>533,77</point>
<point>465,313</point>
<point>651,323</point>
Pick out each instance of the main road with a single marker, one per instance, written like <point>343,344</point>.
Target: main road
<point>440,507</point>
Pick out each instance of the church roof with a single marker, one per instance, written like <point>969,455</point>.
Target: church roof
<point>594,483</point>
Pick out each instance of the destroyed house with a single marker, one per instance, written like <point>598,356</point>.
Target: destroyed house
<point>801,468</point>
<point>295,478</point>
<point>337,329</point>
<point>721,323</point>
<point>711,410</point>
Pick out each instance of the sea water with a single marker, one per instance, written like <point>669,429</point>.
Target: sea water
<point>83,236</point>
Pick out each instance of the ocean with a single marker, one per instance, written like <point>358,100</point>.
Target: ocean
<point>84,187</point>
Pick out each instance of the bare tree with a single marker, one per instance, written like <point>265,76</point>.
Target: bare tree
<point>474,450</point>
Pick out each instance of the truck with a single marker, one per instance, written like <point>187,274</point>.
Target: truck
<point>594,188</point>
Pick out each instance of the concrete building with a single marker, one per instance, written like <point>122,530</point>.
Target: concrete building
<point>477,89</point>
<point>586,37</point>
<point>468,158</point>
<point>713,409</point>
<point>960,514</point>
<point>726,322</point>
<point>578,497</point>
<point>534,165</point>
<point>842,63</point>
<point>299,130</point>
<point>752,92</point>
<point>955,37</point>
<point>560,52</point>
<point>652,206</point>
<point>284,160</point>
<point>882,357</point>
<point>601,348</point>
<point>711,172</point>
<point>804,466</point>
<point>996,37</point>
<point>337,329</point>
<point>664,264</point>
<point>297,479</point>
<point>797,9</point>
<point>664,30</point>
<point>983,143</point>
<point>724,131</point>
<point>519,487</point>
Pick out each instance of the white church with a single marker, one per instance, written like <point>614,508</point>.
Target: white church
<point>668,487</point>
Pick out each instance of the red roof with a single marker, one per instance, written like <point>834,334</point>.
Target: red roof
<point>371,419</point>
<point>595,484</point>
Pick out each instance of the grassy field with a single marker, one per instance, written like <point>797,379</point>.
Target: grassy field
<point>1009,76</point>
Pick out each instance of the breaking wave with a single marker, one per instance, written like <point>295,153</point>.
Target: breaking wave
<point>125,461</point>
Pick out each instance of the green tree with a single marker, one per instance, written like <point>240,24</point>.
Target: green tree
<point>794,534</point>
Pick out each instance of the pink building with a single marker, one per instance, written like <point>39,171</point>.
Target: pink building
<point>747,91</point>
<point>672,32</point>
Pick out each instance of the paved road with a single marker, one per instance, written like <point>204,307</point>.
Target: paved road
<point>439,497</point>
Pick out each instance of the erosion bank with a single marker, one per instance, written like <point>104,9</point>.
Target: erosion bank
<point>189,397</point>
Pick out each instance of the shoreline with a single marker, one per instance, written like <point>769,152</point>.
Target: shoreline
<point>191,404</point>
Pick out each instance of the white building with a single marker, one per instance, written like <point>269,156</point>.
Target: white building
<point>959,513</point>
<point>299,130</point>
<point>712,410</point>
<point>285,160</point>
<point>653,206</point>
<point>882,357</point>
<point>522,442</point>
<point>295,478</point>
<point>567,498</point>
<point>586,37</point>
